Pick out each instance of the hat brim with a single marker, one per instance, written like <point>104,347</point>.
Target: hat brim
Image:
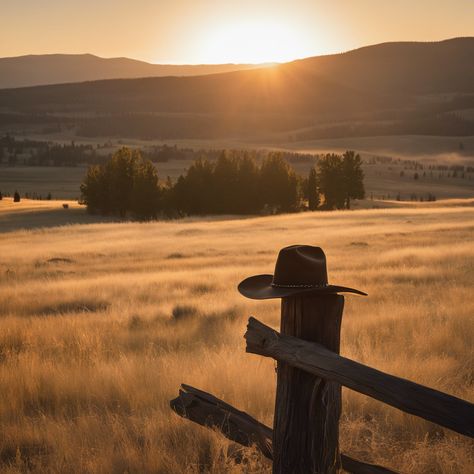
<point>259,287</point>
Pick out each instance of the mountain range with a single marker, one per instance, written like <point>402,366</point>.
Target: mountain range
<point>32,70</point>
<point>390,88</point>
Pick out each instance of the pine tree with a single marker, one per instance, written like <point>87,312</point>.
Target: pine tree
<point>145,198</point>
<point>119,172</point>
<point>225,186</point>
<point>194,193</point>
<point>331,184</point>
<point>94,192</point>
<point>353,177</point>
<point>312,190</point>
<point>278,184</point>
<point>247,184</point>
<point>126,183</point>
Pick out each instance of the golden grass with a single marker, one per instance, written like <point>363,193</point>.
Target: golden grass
<point>100,324</point>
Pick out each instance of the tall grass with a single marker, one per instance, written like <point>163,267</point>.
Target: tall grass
<point>101,323</point>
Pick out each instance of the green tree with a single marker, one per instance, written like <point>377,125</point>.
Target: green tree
<point>125,184</point>
<point>225,185</point>
<point>194,192</point>
<point>312,190</point>
<point>353,177</point>
<point>120,173</point>
<point>94,192</point>
<point>145,198</point>
<point>249,201</point>
<point>331,184</point>
<point>278,184</point>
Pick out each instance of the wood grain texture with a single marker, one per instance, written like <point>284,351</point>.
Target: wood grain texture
<point>308,407</point>
<point>208,410</point>
<point>432,405</point>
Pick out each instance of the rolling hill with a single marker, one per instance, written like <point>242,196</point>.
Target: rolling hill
<point>31,70</point>
<point>391,88</point>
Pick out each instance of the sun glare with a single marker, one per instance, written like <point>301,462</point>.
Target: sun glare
<point>254,42</point>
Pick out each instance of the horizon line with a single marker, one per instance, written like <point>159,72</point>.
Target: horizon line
<point>232,63</point>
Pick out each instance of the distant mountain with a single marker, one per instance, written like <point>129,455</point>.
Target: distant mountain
<point>34,70</point>
<point>401,68</point>
<point>391,88</point>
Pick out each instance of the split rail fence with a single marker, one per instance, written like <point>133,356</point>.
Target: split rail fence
<point>310,373</point>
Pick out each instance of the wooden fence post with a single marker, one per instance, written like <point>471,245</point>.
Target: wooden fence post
<point>307,408</point>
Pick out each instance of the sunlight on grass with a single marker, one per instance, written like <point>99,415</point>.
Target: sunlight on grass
<point>102,322</point>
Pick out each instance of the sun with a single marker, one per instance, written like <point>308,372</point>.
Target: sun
<point>261,41</point>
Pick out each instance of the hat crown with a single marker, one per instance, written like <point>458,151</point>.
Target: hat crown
<point>300,266</point>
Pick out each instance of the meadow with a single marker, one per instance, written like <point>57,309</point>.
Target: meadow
<point>101,321</point>
<point>382,180</point>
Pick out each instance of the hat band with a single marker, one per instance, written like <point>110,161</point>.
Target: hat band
<point>322,285</point>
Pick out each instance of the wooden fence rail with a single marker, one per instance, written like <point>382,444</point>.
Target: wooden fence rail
<point>208,410</point>
<point>427,403</point>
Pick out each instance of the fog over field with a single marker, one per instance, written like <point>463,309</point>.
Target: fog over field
<point>102,322</point>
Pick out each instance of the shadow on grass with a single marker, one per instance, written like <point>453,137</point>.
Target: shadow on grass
<point>41,218</point>
<point>21,218</point>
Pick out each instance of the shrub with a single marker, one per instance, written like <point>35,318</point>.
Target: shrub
<point>183,311</point>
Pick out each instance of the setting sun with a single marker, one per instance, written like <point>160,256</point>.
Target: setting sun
<point>254,41</point>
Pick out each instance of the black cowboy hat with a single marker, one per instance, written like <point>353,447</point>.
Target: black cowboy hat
<point>299,269</point>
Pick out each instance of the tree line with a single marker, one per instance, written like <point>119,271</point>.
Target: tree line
<point>45,153</point>
<point>234,183</point>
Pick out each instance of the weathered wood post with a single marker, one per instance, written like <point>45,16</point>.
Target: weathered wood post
<point>307,408</point>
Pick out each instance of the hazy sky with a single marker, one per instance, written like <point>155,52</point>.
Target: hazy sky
<point>210,31</point>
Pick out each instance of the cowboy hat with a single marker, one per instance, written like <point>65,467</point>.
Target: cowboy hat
<point>299,269</point>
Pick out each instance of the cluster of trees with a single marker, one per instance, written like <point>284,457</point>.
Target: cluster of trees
<point>16,196</point>
<point>62,155</point>
<point>234,183</point>
<point>126,184</point>
<point>42,153</point>
<point>16,151</point>
<point>339,180</point>
<point>164,153</point>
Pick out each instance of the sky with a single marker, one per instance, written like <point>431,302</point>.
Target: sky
<point>223,31</point>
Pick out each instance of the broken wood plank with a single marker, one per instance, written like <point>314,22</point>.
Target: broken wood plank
<point>410,397</point>
<point>207,410</point>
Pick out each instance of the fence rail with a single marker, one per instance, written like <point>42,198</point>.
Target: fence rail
<point>207,410</point>
<point>432,405</point>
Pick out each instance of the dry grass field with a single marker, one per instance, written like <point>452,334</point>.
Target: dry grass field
<point>101,322</point>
